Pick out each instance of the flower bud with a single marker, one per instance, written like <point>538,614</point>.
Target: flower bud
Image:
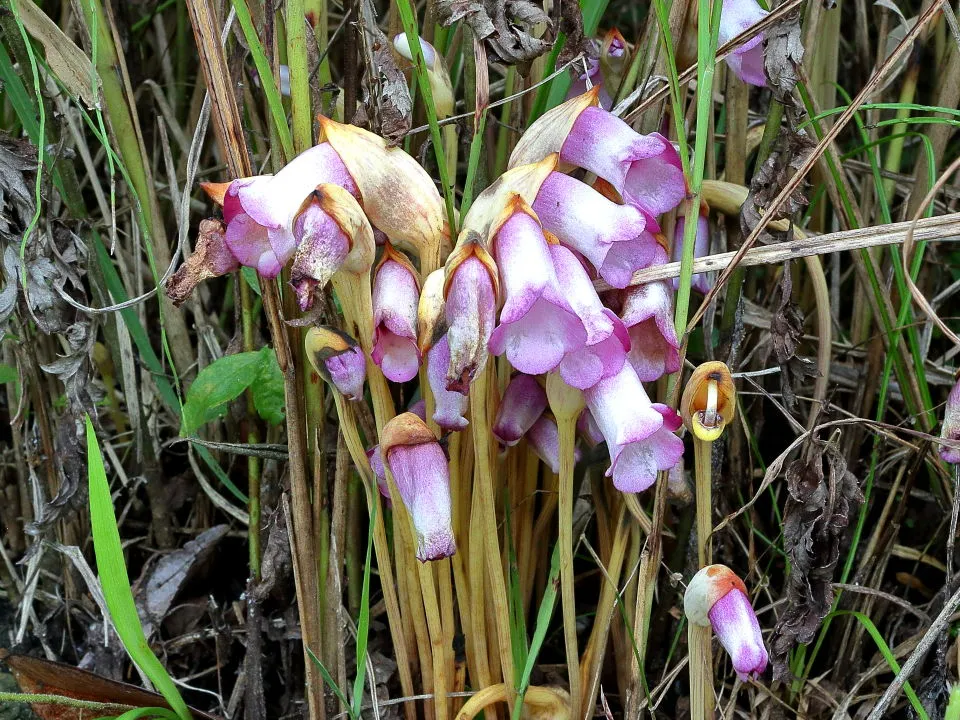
<point>419,468</point>
<point>522,404</point>
<point>396,293</point>
<point>544,439</point>
<point>709,401</point>
<point>717,597</point>
<point>337,359</point>
<point>437,73</point>
<point>951,425</point>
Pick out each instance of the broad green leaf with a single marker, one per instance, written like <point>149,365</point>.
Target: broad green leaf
<point>268,389</point>
<point>217,384</point>
<point>253,280</point>
<point>116,583</point>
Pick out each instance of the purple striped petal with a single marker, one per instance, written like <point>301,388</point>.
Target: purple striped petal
<point>470,310</point>
<point>322,247</point>
<point>585,367</point>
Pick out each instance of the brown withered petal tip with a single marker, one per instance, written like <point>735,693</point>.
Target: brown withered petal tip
<point>405,429</point>
<point>210,258</point>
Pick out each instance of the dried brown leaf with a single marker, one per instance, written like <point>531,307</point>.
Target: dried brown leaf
<point>786,329</point>
<point>824,496</point>
<point>394,105</point>
<point>782,57</point>
<point>506,27</point>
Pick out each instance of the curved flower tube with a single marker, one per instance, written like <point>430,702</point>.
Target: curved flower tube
<point>450,406</point>
<point>645,170</point>
<point>522,404</point>
<point>537,326</point>
<point>338,359</point>
<point>747,60</point>
<point>648,314</point>
<point>614,238</point>
<point>716,597</point>
<point>396,293</point>
<point>951,425</point>
<point>419,468</point>
<point>630,423</point>
<point>375,458</point>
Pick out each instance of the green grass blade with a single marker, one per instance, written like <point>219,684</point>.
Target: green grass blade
<point>114,580</point>
<point>363,623</point>
<point>147,712</point>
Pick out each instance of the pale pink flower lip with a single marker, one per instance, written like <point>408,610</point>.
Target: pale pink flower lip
<point>648,314</point>
<point>450,406</point>
<point>747,60</point>
<point>537,327</point>
<point>951,425</point>
<point>523,402</point>
<point>396,293</point>
<point>348,370</point>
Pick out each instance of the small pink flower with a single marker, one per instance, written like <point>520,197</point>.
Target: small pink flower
<point>419,409</point>
<point>396,293</point>
<point>718,598</point>
<point>747,60</point>
<point>419,468</point>
<point>338,359</point>
<point>522,404</point>
<point>648,314</point>
<point>951,425</point>
<point>639,434</point>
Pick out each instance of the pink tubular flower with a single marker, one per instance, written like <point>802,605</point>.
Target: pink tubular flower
<point>450,406</point>
<point>951,425</point>
<point>522,404</point>
<point>631,425</point>
<point>322,247</point>
<point>614,238</point>
<point>544,438</point>
<point>607,339</point>
<point>537,326</point>
<point>648,314</point>
<point>396,293</point>
<point>747,60</point>
<point>701,282</point>
<point>716,597</point>
<point>419,468</point>
<point>338,359</point>
<point>471,312</point>
<point>419,409</point>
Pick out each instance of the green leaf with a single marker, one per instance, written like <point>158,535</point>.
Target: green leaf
<point>9,374</point>
<point>268,394</point>
<point>250,275</point>
<point>116,583</point>
<point>217,384</point>
<point>146,712</point>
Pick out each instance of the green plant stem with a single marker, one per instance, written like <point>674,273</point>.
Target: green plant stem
<point>300,109</point>
<point>567,429</point>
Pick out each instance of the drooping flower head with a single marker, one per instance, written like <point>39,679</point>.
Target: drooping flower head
<point>337,359</point>
<point>709,400</point>
<point>375,458</point>
<point>717,597</point>
<point>419,468</point>
<point>396,294</point>
<point>639,434</point>
<point>747,60</point>
<point>470,307</point>
<point>522,404</point>
<point>648,314</point>
<point>951,425</point>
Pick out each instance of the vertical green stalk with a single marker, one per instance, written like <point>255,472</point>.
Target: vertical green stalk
<point>299,76</point>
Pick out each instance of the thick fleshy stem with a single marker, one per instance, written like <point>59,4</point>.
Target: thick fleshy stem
<point>487,517</point>
<point>567,403</point>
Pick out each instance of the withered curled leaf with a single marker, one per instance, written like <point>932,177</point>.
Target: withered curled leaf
<point>824,496</point>
<point>784,53</point>
<point>786,328</point>
<point>506,26</point>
